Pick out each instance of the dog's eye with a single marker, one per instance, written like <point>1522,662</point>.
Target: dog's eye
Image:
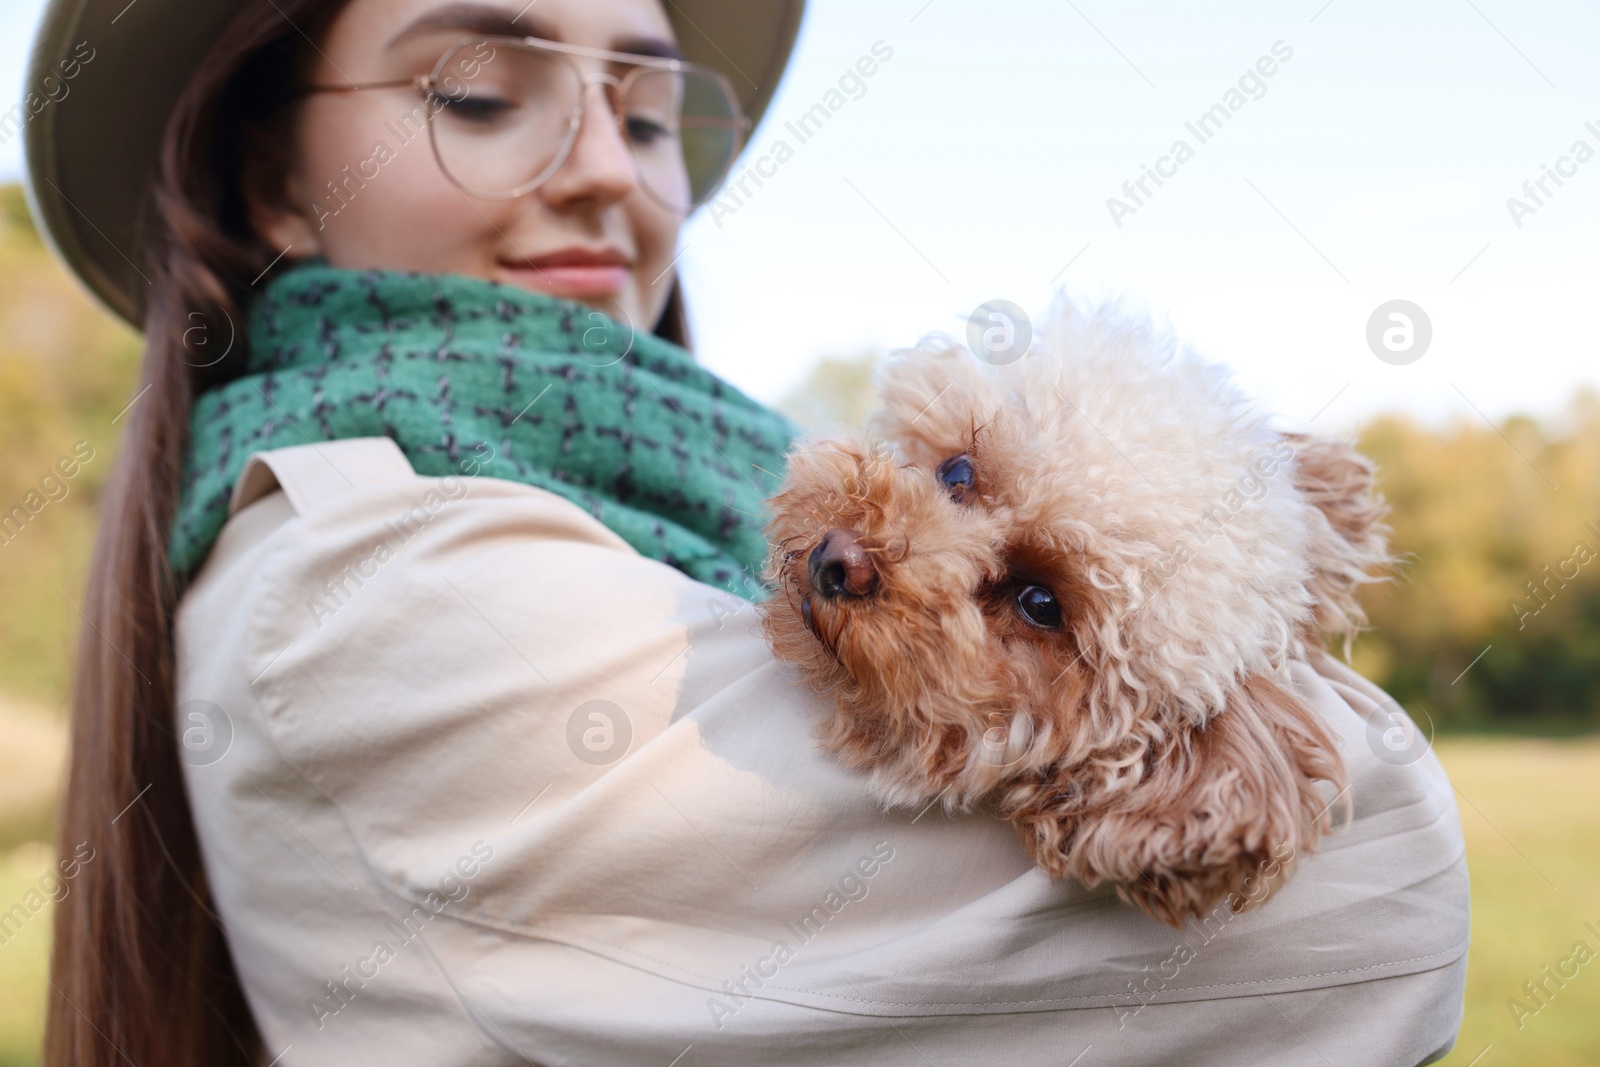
<point>955,474</point>
<point>1039,605</point>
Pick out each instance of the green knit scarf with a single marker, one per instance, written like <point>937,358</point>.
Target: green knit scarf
<point>472,377</point>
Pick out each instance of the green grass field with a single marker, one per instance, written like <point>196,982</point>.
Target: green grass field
<point>1531,814</point>
<point>23,960</point>
<point>1530,811</point>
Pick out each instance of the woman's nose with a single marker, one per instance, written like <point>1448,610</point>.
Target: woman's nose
<point>599,168</point>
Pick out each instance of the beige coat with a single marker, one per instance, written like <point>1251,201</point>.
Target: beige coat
<point>476,783</point>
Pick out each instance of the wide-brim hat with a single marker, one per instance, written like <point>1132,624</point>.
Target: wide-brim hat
<point>91,153</point>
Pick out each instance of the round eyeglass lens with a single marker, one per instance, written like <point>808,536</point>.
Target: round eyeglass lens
<point>500,130</point>
<point>683,128</point>
<point>501,126</point>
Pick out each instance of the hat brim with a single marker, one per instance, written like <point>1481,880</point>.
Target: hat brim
<point>92,150</point>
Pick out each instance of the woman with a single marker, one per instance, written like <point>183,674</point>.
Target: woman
<point>420,714</point>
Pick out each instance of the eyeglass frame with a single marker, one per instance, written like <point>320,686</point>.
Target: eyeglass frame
<point>431,83</point>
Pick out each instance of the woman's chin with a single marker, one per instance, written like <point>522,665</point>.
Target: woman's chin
<point>611,299</point>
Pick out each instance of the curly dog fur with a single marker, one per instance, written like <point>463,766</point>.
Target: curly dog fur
<point>1069,590</point>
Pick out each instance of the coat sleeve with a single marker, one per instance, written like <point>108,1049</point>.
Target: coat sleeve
<point>481,784</point>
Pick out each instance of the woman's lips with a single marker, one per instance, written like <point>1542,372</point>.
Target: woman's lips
<point>575,282</point>
<point>574,273</point>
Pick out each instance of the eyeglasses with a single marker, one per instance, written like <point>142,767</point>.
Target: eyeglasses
<point>504,112</point>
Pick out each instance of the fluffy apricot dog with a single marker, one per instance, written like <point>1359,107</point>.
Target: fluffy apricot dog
<point>1068,590</point>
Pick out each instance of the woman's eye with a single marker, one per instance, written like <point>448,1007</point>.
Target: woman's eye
<point>645,131</point>
<point>1040,607</point>
<point>955,474</point>
<point>473,108</point>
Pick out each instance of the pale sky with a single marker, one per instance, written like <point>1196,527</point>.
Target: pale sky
<point>1374,163</point>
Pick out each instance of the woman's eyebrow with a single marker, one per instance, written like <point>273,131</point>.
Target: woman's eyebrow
<point>647,46</point>
<point>481,18</point>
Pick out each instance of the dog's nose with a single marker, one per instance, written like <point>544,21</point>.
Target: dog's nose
<point>841,567</point>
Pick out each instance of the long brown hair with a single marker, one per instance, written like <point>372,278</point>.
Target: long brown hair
<point>140,968</point>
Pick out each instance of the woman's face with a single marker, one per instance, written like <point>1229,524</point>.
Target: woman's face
<point>364,189</point>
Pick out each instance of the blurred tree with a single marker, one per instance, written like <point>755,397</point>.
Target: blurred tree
<point>1495,622</point>
<point>66,370</point>
<point>838,393</point>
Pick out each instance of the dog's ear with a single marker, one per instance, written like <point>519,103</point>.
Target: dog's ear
<point>935,398</point>
<point>1350,542</point>
<point>1216,816</point>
